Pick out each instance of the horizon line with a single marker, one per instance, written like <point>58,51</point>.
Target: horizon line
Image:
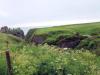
<point>49,23</point>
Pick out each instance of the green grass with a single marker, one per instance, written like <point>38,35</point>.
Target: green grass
<point>52,33</point>
<point>3,68</point>
<point>47,60</point>
<point>10,38</point>
<point>13,41</point>
<point>50,60</point>
<point>85,28</point>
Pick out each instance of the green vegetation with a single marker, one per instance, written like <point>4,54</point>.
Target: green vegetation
<point>10,38</point>
<point>47,60</point>
<point>16,32</point>
<point>52,34</point>
<point>13,42</point>
<point>86,28</point>
<point>55,32</point>
<point>44,59</point>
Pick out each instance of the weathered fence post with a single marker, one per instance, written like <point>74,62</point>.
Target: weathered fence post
<point>8,60</point>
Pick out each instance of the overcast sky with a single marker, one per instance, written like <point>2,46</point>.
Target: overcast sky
<point>39,13</point>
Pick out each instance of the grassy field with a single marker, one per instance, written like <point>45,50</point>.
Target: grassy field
<point>52,34</point>
<point>28,59</point>
<point>47,60</point>
<point>13,42</point>
<point>85,28</point>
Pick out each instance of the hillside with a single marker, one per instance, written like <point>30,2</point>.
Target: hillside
<point>30,59</point>
<point>14,42</point>
<point>53,35</point>
<point>86,28</point>
<point>10,38</point>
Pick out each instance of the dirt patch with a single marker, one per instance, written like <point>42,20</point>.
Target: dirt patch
<point>38,39</point>
<point>71,42</point>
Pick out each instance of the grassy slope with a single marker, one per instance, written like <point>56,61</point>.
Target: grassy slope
<point>13,41</point>
<point>56,31</point>
<point>46,54</point>
<point>10,38</point>
<point>85,28</point>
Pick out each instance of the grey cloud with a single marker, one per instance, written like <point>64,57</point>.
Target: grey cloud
<point>23,11</point>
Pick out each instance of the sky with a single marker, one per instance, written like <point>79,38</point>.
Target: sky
<point>43,13</point>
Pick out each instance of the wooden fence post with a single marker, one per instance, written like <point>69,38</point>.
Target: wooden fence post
<point>8,61</point>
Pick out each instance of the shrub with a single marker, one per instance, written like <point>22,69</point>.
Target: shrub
<point>88,43</point>
<point>46,60</point>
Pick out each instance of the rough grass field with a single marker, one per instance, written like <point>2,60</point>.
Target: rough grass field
<point>52,33</point>
<point>47,60</point>
<point>13,42</point>
<point>85,28</point>
<point>28,59</point>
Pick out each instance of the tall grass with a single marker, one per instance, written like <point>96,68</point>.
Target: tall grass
<point>46,60</point>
